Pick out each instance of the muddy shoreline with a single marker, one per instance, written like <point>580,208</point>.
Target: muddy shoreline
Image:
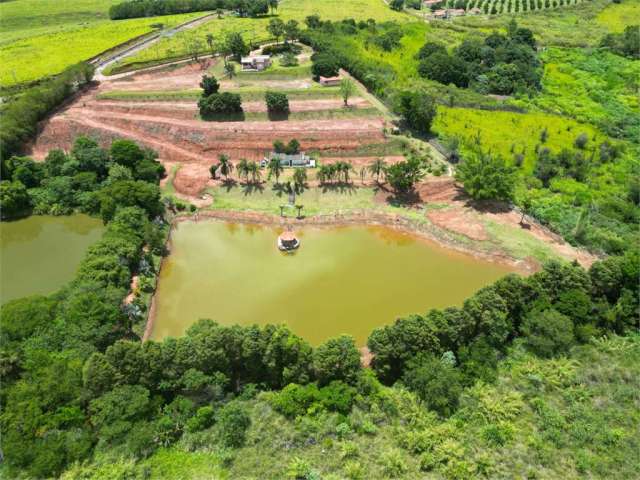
<point>365,218</point>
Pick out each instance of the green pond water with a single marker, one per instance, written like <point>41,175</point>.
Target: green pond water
<point>341,280</point>
<point>39,254</point>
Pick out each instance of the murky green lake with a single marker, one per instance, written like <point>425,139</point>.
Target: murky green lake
<point>39,254</point>
<point>341,280</point>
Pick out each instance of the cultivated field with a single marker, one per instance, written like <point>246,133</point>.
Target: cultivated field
<point>42,37</point>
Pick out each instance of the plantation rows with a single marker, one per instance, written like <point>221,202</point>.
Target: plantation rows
<point>494,7</point>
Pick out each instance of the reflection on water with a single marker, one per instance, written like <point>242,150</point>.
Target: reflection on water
<point>39,254</point>
<point>340,280</point>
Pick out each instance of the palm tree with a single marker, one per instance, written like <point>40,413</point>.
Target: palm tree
<point>244,169</point>
<point>377,168</point>
<point>322,174</point>
<point>299,178</point>
<point>226,167</point>
<point>299,207</point>
<point>275,168</point>
<point>256,174</point>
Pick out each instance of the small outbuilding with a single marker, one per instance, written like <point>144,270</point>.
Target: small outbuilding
<point>330,81</point>
<point>290,160</point>
<point>255,63</point>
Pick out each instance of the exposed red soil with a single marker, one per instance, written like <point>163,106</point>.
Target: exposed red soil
<point>174,131</point>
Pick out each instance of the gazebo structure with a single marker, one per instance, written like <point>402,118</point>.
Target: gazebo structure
<point>287,241</point>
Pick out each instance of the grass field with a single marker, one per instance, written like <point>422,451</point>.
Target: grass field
<point>510,133</point>
<point>254,29</point>
<point>248,94</point>
<point>617,16</point>
<point>592,86</point>
<point>43,37</point>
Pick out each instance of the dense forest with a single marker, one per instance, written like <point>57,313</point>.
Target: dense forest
<point>153,8</point>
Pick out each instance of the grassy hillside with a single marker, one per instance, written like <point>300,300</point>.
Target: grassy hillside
<point>255,29</point>
<point>43,37</point>
<point>574,417</point>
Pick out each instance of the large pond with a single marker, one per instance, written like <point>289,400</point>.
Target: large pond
<point>341,280</point>
<point>40,254</point>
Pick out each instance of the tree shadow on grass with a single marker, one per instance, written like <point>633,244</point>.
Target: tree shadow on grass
<point>224,117</point>
<point>249,188</point>
<point>278,116</point>
<point>404,199</point>
<point>280,189</point>
<point>228,184</point>
<point>339,187</point>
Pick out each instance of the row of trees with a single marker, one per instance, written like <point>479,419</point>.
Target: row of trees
<point>501,64</point>
<point>21,113</point>
<point>153,8</point>
<point>438,353</point>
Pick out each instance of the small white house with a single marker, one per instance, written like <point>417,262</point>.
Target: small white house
<point>255,63</point>
<point>290,160</point>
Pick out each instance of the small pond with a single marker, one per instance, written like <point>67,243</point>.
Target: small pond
<point>40,254</point>
<point>341,280</point>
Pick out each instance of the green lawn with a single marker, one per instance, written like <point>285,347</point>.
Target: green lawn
<point>43,37</point>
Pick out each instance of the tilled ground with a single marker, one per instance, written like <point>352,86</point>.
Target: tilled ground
<point>173,128</point>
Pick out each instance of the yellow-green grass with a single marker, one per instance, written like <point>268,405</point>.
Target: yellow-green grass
<point>617,16</point>
<point>247,94</point>
<point>326,114</point>
<point>43,37</point>
<point>255,29</point>
<point>591,86</point>
<point>510,133</point>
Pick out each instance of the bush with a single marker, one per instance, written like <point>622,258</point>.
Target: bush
<point>437,382</point>
<point>547,333</point>
<point>225,103</point>
<point>324,65</point>
<point>279,48</point>
<point>209,85</point>
<point>277,103</point>
<point>233,422</point>
<point>418,109</point>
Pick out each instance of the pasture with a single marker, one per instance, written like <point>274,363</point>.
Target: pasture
<point>43,37</point>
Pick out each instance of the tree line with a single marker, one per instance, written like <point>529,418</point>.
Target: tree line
<point>22,112</point>
<point>153,8</point>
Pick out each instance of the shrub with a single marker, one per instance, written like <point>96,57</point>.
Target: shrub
<point>393,465</point>
<point>209,85</point>
<point>204,418</point>
<point>324,65</point>
<point>233,422</point>
<point>277,102</point>
<point>436,382</point>
<point>225,103</point>
<point>547,333</point>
